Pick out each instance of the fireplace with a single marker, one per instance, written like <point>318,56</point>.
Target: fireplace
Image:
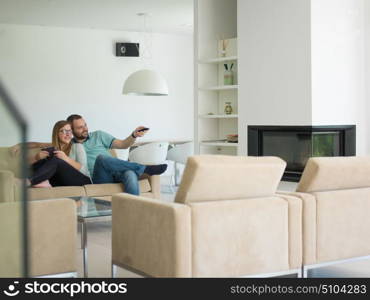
<point>295,144</point>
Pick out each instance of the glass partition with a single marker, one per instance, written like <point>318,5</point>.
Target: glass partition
<point>13,209</point>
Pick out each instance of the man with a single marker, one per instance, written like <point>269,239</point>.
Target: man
<point>102,166</point>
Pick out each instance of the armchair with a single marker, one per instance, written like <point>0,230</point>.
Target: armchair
<point>335,192</point>
<point>226,221</point>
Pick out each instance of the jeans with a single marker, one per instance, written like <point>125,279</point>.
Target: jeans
<point>109,169</point>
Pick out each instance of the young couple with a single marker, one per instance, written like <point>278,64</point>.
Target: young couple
<point>79,157</point>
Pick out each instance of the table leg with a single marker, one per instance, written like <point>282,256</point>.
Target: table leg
<point>176,183</point>
<point>82,240</point>
<point>84,247</point>
<point>114,270</point>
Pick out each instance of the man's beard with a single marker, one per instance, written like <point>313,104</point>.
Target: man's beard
<point>82,136</point>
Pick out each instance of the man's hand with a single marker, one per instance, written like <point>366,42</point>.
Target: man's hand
<point>130,140</point>
<point>42,155</point>
<point>61,155</point>
<point>136,133</point>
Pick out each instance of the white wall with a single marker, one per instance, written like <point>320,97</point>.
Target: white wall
<point>338,66</point>
<point>10,130</point>
<point>274,64</point>
<point>216,21</point>
<point>302,62</point>
<point>53,72</point>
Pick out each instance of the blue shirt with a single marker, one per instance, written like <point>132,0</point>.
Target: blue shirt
<point>97,143</point>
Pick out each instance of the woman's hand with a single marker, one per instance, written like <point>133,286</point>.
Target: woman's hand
<point>67,159</point>
<point>61,155</point>
<point>41,155</point>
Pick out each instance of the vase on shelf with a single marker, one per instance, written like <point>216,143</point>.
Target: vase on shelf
<point>223,47</point>
<point>228,108</point>
<point>228,74</point>
<point>228,77</point>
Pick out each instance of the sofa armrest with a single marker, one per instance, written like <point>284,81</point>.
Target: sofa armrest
<point>52,236</point>
<point>295,230</point>
<point>308,225</point>
<point>6,186</point>
<point>151,236</point>
<point>155,184</point>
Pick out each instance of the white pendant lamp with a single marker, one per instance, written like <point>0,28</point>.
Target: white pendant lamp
<point>145,83</point>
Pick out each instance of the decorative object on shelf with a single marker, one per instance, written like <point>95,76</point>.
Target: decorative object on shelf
<point>210,114</point>
<point>224,44</point>
<point>228,74</point>
<point>145,82</point>
<point>228,108</point>
<point>232,138</point>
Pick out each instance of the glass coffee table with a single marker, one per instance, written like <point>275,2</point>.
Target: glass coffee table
<point>90,209</point>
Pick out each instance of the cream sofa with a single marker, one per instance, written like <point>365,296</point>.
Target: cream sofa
<point>149,185</point>
<point>226,221</point>
<point>52,223</point>
<point>335,192</point>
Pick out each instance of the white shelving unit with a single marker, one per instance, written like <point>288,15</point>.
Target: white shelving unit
<point>217,60</point>
<point>219,144</point>
<point>218,116</point>
<point>219,88</point>
<point>212,90</point>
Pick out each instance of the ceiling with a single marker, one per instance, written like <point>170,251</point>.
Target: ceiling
<point>166,16</point>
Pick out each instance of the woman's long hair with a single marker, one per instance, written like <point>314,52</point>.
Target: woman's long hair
<point>55,137</point>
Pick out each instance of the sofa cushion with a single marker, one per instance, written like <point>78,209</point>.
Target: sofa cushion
<point>113,188</point>
<point>332,173</point>
<point>217,177</point>
<point>55,192</point>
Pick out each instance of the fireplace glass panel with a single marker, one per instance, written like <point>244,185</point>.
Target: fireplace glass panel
<point>296,144</point>
<point>293,147</point>
<point>326,144</point>
<point>297,147</point>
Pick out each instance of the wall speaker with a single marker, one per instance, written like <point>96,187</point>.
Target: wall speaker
<point>127,49</point>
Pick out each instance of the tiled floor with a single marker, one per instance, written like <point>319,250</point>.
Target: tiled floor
<point>99,253</point>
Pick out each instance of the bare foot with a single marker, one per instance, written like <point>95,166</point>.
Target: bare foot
<point>43,184</point>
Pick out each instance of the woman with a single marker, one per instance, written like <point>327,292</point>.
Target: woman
<point>63,165</point>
